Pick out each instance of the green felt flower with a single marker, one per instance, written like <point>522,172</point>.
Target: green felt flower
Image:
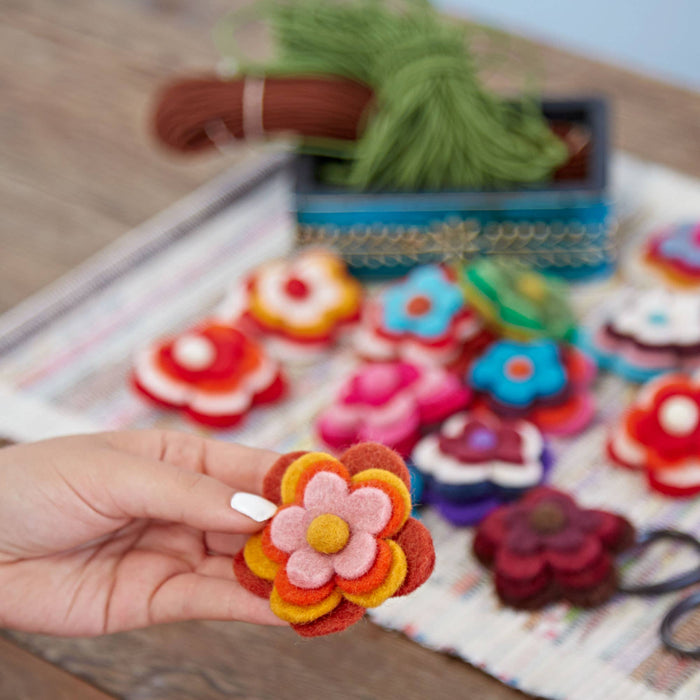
<point>518,301</point>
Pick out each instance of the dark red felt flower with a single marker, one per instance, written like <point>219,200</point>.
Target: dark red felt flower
<point>546,548</point>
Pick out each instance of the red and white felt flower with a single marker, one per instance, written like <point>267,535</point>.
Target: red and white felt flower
<point>212,372</point>
<point>299,305</point>
<point>342,539</point>
<point>660,435</point>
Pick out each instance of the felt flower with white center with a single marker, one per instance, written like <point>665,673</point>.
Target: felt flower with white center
<point>477,461</point>
<point>647,332</point>
<point>213,373</point>
<point>342,539</point>
<point>660,435</point>
<point>305,301</point>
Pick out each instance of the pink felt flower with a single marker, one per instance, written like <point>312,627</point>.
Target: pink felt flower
<point>366,512</point>
<point>389,403</point>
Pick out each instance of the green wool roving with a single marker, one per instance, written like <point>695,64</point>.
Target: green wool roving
<point>432,125</point>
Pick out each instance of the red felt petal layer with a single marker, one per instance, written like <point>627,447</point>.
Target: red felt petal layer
<point>249,580</point>
<point>417,544</point>
<point>372,455</point>
<point>273,479</point>
<point>345,615</point>
<point>589,577</point>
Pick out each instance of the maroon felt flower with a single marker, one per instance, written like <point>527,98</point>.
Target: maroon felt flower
<point>545,548</point>
<point>480,442</point>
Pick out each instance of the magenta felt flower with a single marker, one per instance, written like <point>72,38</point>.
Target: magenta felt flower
<point>389,403</point>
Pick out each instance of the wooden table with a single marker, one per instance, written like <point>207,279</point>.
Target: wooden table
<point>77,169</point>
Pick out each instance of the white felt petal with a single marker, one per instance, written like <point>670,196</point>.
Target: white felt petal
<point>368,509</point>
<point>326,492</point>
<point>357,557</point>
<point>287,530</point>
<point>307,568</point>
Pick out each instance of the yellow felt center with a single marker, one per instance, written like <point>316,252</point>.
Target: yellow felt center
<point>532,286</point>
<point>328,533</point>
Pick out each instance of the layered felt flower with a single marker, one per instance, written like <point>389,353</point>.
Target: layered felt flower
<point>342,539</point>
<point>422,318</point>
<point>660,435</point>
<point>547,383</point>
<point>675,254</point>
<point>545,548</point>
<point>477,461</point>
<point>518,301</point>
<point>390,403</point>
<point>647,332</point>
<point>212,372</point>
<point>299,305</point>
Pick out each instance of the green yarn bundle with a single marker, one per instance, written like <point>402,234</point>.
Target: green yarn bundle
<point>433,125</point>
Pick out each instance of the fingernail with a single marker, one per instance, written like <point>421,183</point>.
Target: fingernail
<point>253,506</point>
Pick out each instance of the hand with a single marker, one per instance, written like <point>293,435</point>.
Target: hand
<point>116,531</point>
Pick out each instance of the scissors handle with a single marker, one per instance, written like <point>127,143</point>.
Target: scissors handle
<point>675,583</point>
<point>671,619</point>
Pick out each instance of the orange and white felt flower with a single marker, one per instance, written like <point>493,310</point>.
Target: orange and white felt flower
<point>212,372</point>
<point>306,300</point>
<point>342,539</point>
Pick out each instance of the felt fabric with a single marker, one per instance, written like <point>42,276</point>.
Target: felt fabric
<point>545,548</point>
<point>212,372</point>
<point>272,483</point>
<point>659,435</point>
<point>319,585</point>
<point>342,617</point>
<point>395,577</point>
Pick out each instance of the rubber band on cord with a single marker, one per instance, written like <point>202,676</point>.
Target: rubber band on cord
<point>675,583</point>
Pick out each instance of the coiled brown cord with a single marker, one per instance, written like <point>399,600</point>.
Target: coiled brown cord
<point>330,108</point>
<point>333,108</point>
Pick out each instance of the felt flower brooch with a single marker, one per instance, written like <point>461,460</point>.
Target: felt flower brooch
<point>341,541</point>
<point>212,372</point>
<point>422,318</point>
<point>545,548</point>
<point>646,332</point>
<point>675,254</point>
<point>477,461</point>
<point>660,435</point>
<point>518,301</point>
<point>546,383</point>
<point>299,305</point>
<point>390,403</point>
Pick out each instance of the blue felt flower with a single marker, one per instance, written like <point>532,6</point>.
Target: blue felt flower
<point>683,244</point>
<point>517,374</point>
<point>423,304</point>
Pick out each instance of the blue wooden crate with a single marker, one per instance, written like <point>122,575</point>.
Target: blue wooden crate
<point>565,227</point>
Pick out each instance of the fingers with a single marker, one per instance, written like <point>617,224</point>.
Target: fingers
<point>137,487</point>
<point>195,597</point>
<point>224,543</point>
<point>243,468</point>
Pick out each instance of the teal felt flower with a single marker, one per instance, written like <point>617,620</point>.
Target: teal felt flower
<point>424,304</point>
<point>517,374</point>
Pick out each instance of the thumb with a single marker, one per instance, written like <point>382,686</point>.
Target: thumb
<point>144,488</point>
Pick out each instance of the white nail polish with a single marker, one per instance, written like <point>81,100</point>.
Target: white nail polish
<point>253,506</point>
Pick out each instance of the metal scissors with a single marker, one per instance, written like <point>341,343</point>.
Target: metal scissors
<point>675,583</point>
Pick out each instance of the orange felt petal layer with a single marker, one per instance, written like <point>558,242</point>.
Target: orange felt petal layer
<point>295,472</point>
<point>372,455</point>
<point>374,577</point>
<point>269,549</point>
<point>272,482</point>
<point>301,596</point>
